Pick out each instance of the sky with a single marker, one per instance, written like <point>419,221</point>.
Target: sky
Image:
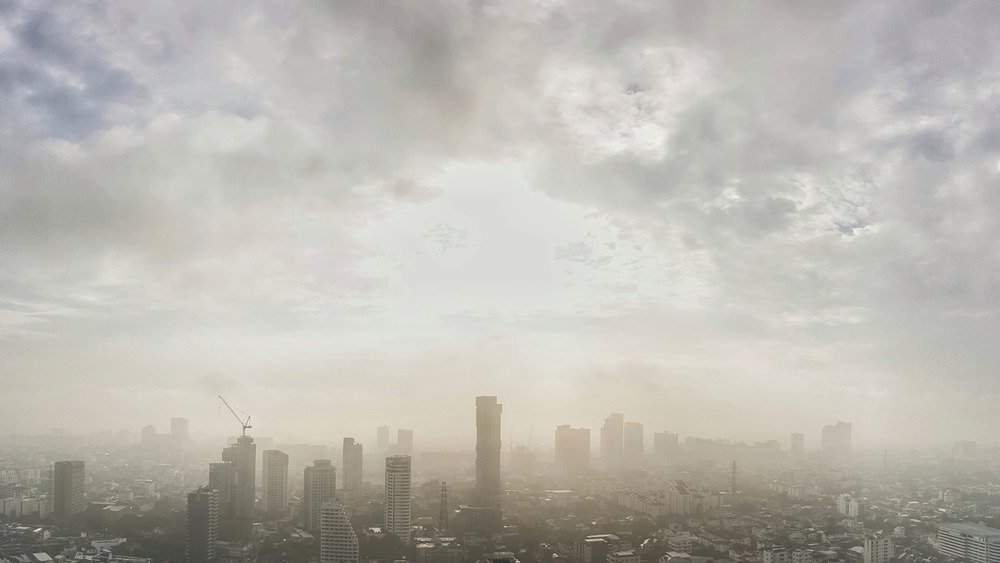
<point>720,219</point>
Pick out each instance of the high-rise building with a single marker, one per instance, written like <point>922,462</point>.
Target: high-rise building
<point>836,439</point>
<point>488,483</point>
<point>633,444</point>
<point>179,429</point>
<point>970,542</point>
<point>223,478</point>
<point>665,443</point>
<point>149,436</point>
<point>798,443</point>
<point>337,540</point>
<point>397,496</point>
<point>202,525</point>
<point>353,458</point>
<point>404,441</point>
<point>243,456</point>
<point>572,448</point>
<point>612,441</point>
<point>274,483</point>
<point>878,549</point>
<point>68,488</point>
<point>320,485</point>
<point>382,440</point>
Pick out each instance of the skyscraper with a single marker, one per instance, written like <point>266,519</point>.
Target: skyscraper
<point>202,524</point>
<point>397,496</point>
<point>274,483</point>
<point>836,439</point>
<point>320,485</point>
<point>223,478</point>
<point>664,443</point>
<point>337,540</point>
<point>798,443</point>
<point>572,448</point>
<point>353,458</point>
<point>149,436</point>
<point>404,441</point>
<point>179,429</point>
<point>633,446</point>
<point>488,483</point>
<point>68,485</point>
<point>382,441</point>
<point>612,441</point>
<point>243,456</point>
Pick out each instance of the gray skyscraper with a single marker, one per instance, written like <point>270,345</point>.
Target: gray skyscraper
<point>179,429</point>
<point>572,448</point>
<point>202,524</point>
<point>68,486</point>
<point>382,441</point>
<point>337,540</point>
<point>320,485</point>
<point>404,441</point>
<point>488,483</point>
<point>397,496</point>
<point>665,443</point>
<point>836,439</point>
<point>612,441</point>
<point>223,478</point>
<point>243,456</point>
<point>274,483</point>
<point>798,443</point>
<point>633,445</point>
<point>353,462</point>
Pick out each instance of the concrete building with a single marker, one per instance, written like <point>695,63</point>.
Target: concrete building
<point>68,488</point>
<point>612,441</point>
<point>848,506</point>
<point>179,430</point>
<point>319,486</point>
<point>878,549</point>
<point>775,554</point>
<point>597,547</point>
<point>353,462</point>
<point>624,556</point>
<point>337,541</point>
<point>404,441</point>
<point>488,483</point>
<point>572,448</point>
<point>382,439</point>
<point>972,542</point>
<point>797,446</point>
<point>836,439</point>
<point>243,456</point>
<point>397,497</point>
<point>274,483</point>
<point>633,444</point>
<point>665,444</point>
<point>202,525</point>
<point>223,477</point>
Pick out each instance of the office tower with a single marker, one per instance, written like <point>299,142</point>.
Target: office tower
<point>798,444</point>
<point>665,443</point>
<point>337,540</point>
<point>397,496</point>
<point>274,483</point>
<point>243,456</point>
<point>404,441</point>
<point>633,445</point>
<point>223,478</point>
<point>320,485</point>
<point>353,457</point>
<point>68,485</point>
<point>970,542</point>
<point>572,448</point>
<point>836,439</point>
<point>878,549</point>
<point>612,438</point>
<point>202,524</point>
<point>382,441</point>
<point>149,435</point>
<point>179,429</point>
<point>488,484</point>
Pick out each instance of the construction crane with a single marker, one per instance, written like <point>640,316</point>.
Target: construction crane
<point>244,423</point>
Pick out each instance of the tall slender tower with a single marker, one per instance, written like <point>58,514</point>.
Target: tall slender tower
<point>633,445</point>
<point>337,541</point>
<point>612,441</point>
<point>353,452</point>
<point>223,478</point>
<point>243,456</point>
<point>320,485</point>
<point>202,525</point>
<point>404,441</point>
<point>488,483</point>
<point>382,439</point>
<point>68,488</point>
<point>274,483</point>
<point>397,496</point>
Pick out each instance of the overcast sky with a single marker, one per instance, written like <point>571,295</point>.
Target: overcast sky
<point>721,219</point>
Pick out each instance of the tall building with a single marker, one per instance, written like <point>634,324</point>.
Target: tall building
<point>223,478</point>
<point>665,443</point>
<point>488,483</point>
<point>836,439</point>
<point>878,549</point>
<point>149,436</point>
<point>179,429</point>
<point>572,448</point>
<point>68,485</point>
<point>397,496</point>
<point>353,458</point>
<point>382,439</point>
<point>202,524</point>
<point>274,483</point>
<point>971,542</point>
<point>337,540</point>
<point>243,456</point>
<point>612,441</point>
<point>798,443</point>
<point>320,485</point>
<point>404,441</point>
<point>633,444</point>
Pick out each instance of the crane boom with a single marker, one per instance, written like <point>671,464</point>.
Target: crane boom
<point>244,423</point>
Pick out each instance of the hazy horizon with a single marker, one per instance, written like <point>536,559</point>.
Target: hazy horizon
<point>722,220</point>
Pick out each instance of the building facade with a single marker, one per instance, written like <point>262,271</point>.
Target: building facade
<point>69,478</point>
<point>319,486</point>
<point>337,541</point>
<point>972,542</point>
<point>274,483</point>
<point>397,497</point>
<point>488,482</point>
<point>612,441</point>
<point>633,445</point>
<point>353,463</point>
<point>202,525</point>
<point>572,448</point>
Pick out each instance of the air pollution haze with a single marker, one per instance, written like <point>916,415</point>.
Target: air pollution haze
<point>731,220</point>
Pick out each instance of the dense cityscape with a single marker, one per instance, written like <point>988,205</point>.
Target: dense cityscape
<point>621,495</point>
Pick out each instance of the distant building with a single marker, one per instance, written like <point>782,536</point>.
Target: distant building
<point>179,430</point>
<point>624,556</point>
<point>878,549</point>
<point>664,444</point>
<point>488,483</point>
<point>202,525</point>
<point>353,463</point>
<point>798,443</point>
<point>68,488</point>
<point>848,506</point>
<point>596,548</point>
<point>397,497</point>
<point>319,486</point>
<point>337,540</point>
<point>243,455</point>
<point>274,483</point>
<point>775,554</point>
<point>404,441</point>
<point>382,439</point>
<point>149,436</point>
<point>522,461</point>
<point>633,444</point>
<point>972,542</point>
<point>612,441</point>
<point>964,449</point>
<point>572,448</point>
<point>223,477</point>
<point>500,557</point>
<point>836,439</point>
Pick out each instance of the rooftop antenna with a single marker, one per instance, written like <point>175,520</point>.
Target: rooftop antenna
<point>244,423</point>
